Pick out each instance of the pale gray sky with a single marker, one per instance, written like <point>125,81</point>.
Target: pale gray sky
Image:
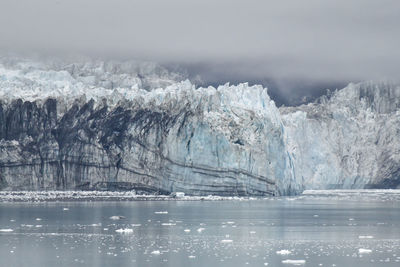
<point>321,41</point>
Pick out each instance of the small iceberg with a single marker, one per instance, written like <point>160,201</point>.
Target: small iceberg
<point>364,251</point>
<point>115,218</point>
<point>294,262</point>
<point>6,230</point>
<point>365,237</point>
<point>283,252</point>
<point>124,231</point>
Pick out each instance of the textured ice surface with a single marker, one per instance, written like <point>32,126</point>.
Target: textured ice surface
<point>134,126</point>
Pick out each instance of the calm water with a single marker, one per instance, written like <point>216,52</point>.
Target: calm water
<point>316,231</point>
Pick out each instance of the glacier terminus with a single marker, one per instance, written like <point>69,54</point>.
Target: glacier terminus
<point>135,126</point>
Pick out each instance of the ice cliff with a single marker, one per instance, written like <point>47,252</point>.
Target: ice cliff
<point>127,126</point>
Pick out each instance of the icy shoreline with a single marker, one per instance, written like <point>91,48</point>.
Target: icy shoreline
<point>50,196</point>
<point>43,196</point>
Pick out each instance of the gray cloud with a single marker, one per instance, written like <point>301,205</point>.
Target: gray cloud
<point>311,40</point>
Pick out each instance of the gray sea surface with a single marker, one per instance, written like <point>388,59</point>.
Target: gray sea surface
<point>310,230</point>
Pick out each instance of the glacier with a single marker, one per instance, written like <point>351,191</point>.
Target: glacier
<point>134,126</point>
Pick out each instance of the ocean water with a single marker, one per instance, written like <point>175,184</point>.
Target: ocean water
<point>309,230</point>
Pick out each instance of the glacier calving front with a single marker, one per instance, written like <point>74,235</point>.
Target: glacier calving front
<point>67,127</point>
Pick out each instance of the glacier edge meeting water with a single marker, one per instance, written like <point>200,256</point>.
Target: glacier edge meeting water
<point>64,127</point>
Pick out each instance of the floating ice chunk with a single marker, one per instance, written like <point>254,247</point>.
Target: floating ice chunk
<point>191,257</point>
<point>95,224</point>
<point>226,241</point>
<point>294,262</point>
<point>230,222</point>
<point>6,230</point>
<point>161,212</point>
<point>364,251</point>
<point>365,237</point>
<point>200,230</point>
<point>265,263</point>
<point>117,218</point>
<point>136,224</point>
<point>252,232</point>
<point>168,224</point>
<point>65,209</point>
<point>124,231</point>
<point>283,252</point>
<point>156,252</point>
<point>187,230</point>
<point>38,219</point>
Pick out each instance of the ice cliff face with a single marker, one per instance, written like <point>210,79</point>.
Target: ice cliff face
<point>68,127</point>
<point>349,140</point>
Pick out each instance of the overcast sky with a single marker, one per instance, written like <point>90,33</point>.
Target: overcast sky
<point>312,41</point>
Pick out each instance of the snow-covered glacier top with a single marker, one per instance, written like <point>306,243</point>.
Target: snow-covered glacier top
<point>141,84</point>
<point>35,80</point>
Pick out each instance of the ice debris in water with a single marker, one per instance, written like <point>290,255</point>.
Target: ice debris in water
<point>200,230</point>
<point>365,237</point>
<point>294,262</point>
<point>6,230</point>
<point>364,251</point>
<point>187,230</point>
<point>225,241</point>
<point>283,252</point>
<point>117,218</point>
<point>156,252</point>
<point>161,212</point>
<point>124,231</point>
